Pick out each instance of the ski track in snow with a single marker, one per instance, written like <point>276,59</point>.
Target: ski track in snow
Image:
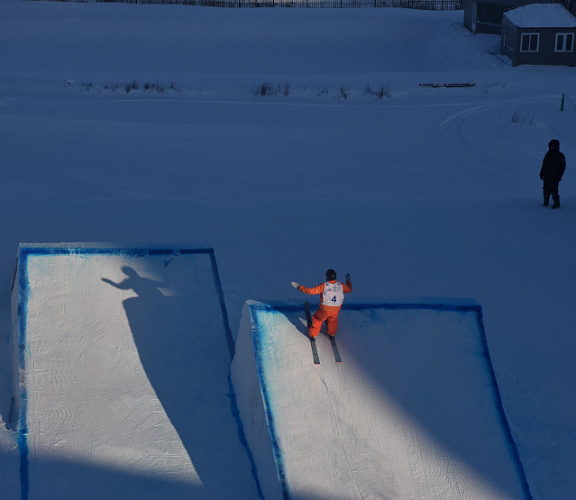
<point>450,134</point>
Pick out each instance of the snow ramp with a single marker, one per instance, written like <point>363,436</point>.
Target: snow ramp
<point>413,411</point>
<point>124,360</point>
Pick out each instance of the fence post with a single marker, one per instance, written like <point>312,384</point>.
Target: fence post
<point>562,103</point>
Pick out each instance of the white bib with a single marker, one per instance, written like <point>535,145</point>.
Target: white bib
<point>333,294</point>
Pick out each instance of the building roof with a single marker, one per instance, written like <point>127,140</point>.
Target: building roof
<point>541,15</point>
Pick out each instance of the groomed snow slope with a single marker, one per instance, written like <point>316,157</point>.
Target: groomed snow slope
<point>413,411</point>
<point>124,357</point>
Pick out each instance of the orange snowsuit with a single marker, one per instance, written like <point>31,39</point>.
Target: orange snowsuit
<point>328,292</point>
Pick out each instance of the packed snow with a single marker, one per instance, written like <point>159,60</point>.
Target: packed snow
<point>123,357</point>
<point>541,15</point>
<point>411,412</point>
<point>294,140</point>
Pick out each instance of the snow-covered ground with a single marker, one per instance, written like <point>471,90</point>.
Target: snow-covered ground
<point>424,192</point>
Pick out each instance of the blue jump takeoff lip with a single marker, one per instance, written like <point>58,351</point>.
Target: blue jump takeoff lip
<point>27,250</point>
<point>463,306</point>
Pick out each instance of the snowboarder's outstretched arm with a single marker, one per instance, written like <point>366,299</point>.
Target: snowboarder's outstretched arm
<point>318,289</point>
<point>315,290</point>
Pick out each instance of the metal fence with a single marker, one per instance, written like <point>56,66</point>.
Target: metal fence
<point>340,4</point>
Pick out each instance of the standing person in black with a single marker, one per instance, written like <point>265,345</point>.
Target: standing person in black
<point>553,167</point>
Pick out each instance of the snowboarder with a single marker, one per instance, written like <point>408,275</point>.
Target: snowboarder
<point>553,167</point>
<point>331,298</point>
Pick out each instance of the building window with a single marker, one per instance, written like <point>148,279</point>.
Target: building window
<point>564,42</point>
<point>529,42</point>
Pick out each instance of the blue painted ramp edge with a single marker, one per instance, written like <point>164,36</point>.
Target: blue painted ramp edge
<point>419,304</point>
<point>21,277</point>
<point>22,342</point>
<point>270,419</point>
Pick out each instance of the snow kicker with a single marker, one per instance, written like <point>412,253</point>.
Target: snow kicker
<point>414,411</point>
<point>123,356</point>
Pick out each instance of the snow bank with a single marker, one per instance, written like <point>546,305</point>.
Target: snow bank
<point>412,412</point>
<point>124,357</point>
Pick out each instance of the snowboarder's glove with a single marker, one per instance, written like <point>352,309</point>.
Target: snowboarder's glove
<point>348,277</point>
<point>295,285</point>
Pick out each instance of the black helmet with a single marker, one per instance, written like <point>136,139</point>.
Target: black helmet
<point>330,275</point>
<point>554,144</point>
